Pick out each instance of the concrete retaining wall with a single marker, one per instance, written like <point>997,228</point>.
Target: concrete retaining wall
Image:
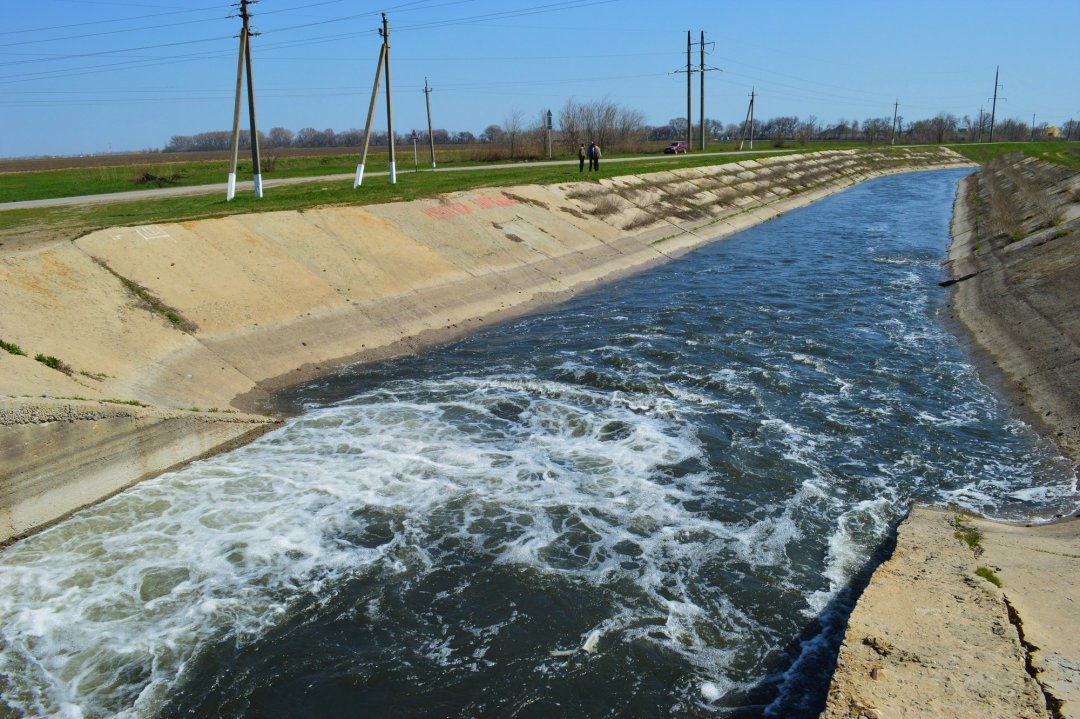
<point>262,301</point>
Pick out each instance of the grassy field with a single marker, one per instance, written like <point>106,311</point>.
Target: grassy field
<point>42,179</point>
<point>1062,153</point>
<point>35,224</point>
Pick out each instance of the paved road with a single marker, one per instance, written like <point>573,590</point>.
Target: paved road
<point>268,183</point>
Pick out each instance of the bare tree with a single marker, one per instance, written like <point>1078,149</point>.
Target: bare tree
<point>780,128</point>
<point>876,127</point>
<point>280,137</point>
<point>602,122</point>
<point>492,133</point>
<point>807,130</point>
<point>513,127</point>
<point>943,126</point>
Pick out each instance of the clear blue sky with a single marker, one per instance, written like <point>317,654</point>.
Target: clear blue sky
<point>88,76</point>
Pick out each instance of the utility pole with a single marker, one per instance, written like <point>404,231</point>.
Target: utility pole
<point>749,121</point>
<point>235,145</point>
<point>431,137</point>
<point>370,115</point>
<point>704,70</point>
<point>244,61</point>
<point>1033,127</point>
<point>993,109</point>
<point>895,109</point>
<point>980,123</point>
<point>689,111</point>
<point>689,90</point>
<point>548,126</point>
<point>389,104</point>
<point>251,115</point>
<point>701,128</point>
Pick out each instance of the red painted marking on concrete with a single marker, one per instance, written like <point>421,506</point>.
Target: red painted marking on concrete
<point>460,209</point>
<point>445,212</point>
<point>486,203</point>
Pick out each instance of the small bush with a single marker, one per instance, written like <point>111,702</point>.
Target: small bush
<point>585,192</point>
<point>161,177</point>
<point>969,535</point>
<point>53,363</point>
<point>607,205</point>
<point>642,219</point>
<point>989,576</point>
<point>12,348</point>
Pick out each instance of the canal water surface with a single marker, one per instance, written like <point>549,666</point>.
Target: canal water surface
<point>649,502</point>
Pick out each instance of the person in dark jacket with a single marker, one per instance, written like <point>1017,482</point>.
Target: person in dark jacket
<point>594,157</point>
<point>581,158</point>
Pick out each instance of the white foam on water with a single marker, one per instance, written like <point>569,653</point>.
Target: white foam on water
<point>102,613</point>
<point>856,529</point>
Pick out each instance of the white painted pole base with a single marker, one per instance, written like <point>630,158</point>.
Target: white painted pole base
<point>359,176</point>
<point>231,192</point>
<point>433,164</point>
<point>258,186</point>
<point>393,173</point>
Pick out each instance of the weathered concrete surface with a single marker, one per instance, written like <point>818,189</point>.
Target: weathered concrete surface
<point>1039,567</point>
<point>269,300</point>
<point>1015,258</point>
<point>930,639</point>
<point>57,456</point>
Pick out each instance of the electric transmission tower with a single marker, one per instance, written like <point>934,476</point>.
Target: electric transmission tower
<point>690,72</point>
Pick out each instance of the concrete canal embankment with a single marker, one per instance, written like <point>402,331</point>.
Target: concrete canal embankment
<point>201,321</point>
<point>972,618</point>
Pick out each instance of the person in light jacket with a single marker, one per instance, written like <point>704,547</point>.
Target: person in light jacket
<point>581,158</point>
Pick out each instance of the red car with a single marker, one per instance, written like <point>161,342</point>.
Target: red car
<point>675,148</point>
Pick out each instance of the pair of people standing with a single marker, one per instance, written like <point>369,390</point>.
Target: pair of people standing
<point>592,154</point>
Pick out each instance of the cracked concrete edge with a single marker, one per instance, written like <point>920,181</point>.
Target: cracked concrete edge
<point>929,638</point>
<point>57,456</point>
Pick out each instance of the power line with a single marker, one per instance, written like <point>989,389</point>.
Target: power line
<point>102,22</point>
<point>523,12</point>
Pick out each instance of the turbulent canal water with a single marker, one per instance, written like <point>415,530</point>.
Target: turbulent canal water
<point>650,502</point>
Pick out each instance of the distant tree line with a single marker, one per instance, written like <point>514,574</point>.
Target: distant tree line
<point>307,137</point>
<point>619,129</point>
